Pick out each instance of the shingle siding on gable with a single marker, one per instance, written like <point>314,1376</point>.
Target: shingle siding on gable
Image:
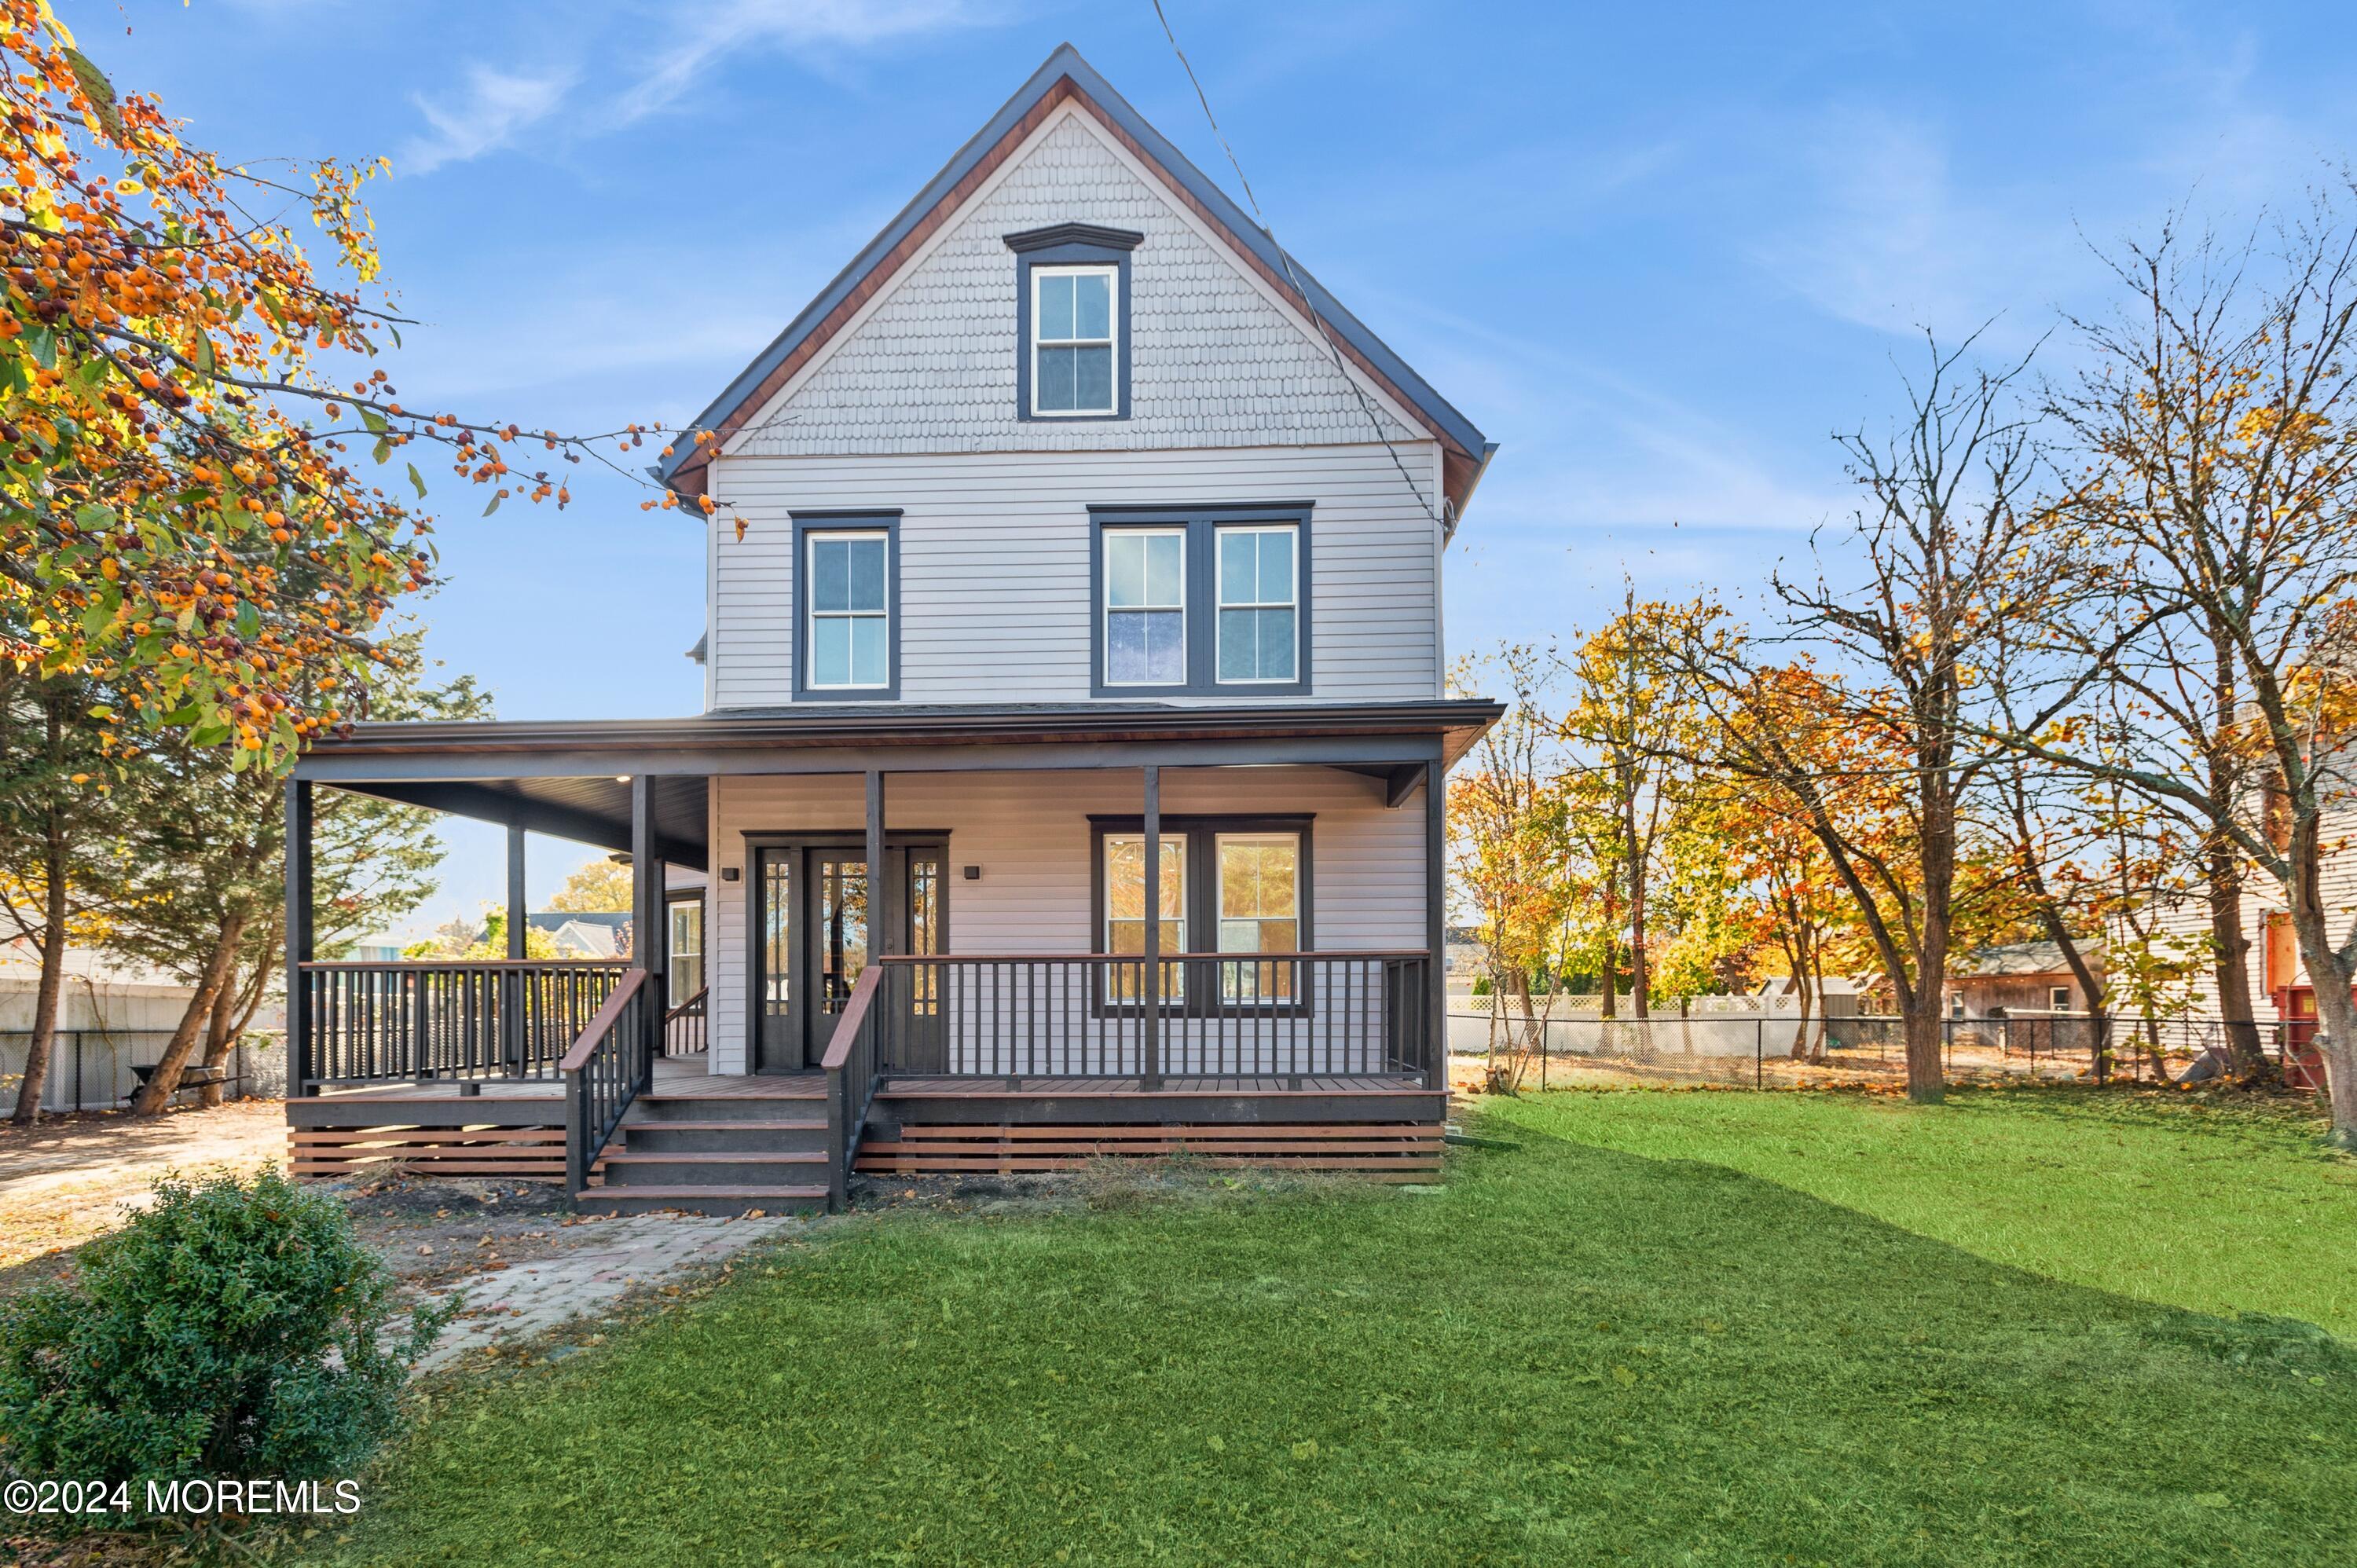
<point>932,368</point>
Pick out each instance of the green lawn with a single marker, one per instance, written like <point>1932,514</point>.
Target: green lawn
<point>1654,1333</point>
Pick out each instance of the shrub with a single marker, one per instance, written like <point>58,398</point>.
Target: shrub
<point>230,1330</point>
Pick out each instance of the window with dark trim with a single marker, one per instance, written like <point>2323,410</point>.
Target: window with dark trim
<point>1199,601</point>
<point>1073,347</point>
<point>1234,885</point>
<point>846,605</point>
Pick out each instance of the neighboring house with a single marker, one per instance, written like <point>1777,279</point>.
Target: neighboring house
<point>1088,546</point>
<point>2018,978</point>
<point>1836,996</point>
<point>2281,990</point>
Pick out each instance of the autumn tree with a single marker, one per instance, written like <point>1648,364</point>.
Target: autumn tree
<point>1938,554</point>
<point>1507,853</point>
<point>602,886</point>
<point>184,414</point>
<point>1784,899</point>
<point>2214,531</point>
<point>1632,725</point>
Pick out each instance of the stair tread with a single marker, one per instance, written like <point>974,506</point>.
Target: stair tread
<point>712,1157</point>
<point>804,1124</point>
<point>595,1194</point>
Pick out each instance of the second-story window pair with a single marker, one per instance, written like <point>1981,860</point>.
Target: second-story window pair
<point>1201,603</point>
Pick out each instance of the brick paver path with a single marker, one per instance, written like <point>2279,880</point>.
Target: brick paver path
<point>525,1300</point>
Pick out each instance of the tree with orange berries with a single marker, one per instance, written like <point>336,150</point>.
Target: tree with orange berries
<point>211,489</point>
<point>188,414</point>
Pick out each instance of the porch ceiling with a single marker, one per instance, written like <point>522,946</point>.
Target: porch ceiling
<point>592,811</point>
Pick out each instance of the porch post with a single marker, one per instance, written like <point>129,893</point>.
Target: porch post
<point>1435,899</point>
<point>1149,1059</point>
<point>879,885</point>
<point>511,985</point>
<point>298,938</point>
<point>646,914</point>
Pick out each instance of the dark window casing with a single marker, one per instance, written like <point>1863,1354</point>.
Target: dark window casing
<point>1068,245</point>
<point>1202,524</point>
<point>806,523</point>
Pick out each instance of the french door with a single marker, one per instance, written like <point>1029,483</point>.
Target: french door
<point>814,923</point>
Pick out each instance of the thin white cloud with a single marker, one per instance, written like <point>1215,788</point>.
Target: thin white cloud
<point>1885,236</point>
<point>496,107</point>
<point>794,26</point>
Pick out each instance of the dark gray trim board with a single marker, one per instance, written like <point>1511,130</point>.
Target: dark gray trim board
<point>806,524</point>
<point>510,748</point>
<point>1240,230</point>
<point>1342,751</point>
<point>1202,525</point>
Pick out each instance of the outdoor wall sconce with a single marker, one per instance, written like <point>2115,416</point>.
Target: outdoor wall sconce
<point>730,874</point>
<point>974,874</point>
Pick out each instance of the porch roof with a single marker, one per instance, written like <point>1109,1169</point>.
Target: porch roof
<point>569,777</point>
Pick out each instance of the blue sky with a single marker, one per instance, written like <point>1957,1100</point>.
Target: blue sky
<point>1661,253</point>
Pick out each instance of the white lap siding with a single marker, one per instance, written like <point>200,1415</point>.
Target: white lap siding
<point>1029,833</point>
<point>996,602</point>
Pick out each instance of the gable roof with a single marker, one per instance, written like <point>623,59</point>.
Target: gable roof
<point>1067,77</point>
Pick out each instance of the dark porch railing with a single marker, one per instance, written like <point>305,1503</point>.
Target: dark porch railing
<point>470,1020</point>
<point>605,1069</point>
<point>1288,1016</point>
<point>684,1025</point>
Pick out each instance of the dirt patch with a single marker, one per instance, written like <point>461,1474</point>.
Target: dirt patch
<point>432,1232</point>
<point>65,1181</point>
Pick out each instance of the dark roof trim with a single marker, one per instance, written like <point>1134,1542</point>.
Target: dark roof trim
<point>1075,234</point>
<point>900,723</point>
<point>1064,74</point>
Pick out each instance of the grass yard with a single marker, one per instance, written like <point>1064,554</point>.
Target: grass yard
<point>1673,1329</point>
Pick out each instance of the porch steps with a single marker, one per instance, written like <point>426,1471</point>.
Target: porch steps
<point>714,1154</point>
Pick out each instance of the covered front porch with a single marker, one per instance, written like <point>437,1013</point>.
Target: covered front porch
<point>996,999</point>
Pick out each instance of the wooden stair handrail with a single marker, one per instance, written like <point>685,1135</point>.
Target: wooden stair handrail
<point>848,1022</point>
<point>585,1045</point>
<point>691,1002</point>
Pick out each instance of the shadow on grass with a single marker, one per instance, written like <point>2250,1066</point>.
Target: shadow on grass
<point>1568,1354</point>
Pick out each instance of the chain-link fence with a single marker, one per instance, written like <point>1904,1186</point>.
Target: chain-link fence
<point>98,1069</point>
<point>1779,1048</point>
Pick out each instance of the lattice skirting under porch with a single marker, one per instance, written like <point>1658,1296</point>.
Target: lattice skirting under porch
<point>1381,1151</point>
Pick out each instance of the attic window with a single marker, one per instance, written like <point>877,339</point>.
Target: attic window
<point>1071,320</point>
<point>1073,339</point>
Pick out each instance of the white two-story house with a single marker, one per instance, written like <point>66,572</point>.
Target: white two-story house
<point>1073,543</point>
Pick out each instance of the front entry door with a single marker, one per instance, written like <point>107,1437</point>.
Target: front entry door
<point>815,933</point>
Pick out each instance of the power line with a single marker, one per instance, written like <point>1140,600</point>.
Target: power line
<point>1374,422</point>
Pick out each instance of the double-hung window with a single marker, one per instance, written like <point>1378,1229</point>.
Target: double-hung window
<point>846,594</point>
<point>1202,601</point>
<point>1073,342</point>
<point>1258,618</point>
<point>1124,903</point>
<point>1260,912</point>
<point>1144,596</point>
